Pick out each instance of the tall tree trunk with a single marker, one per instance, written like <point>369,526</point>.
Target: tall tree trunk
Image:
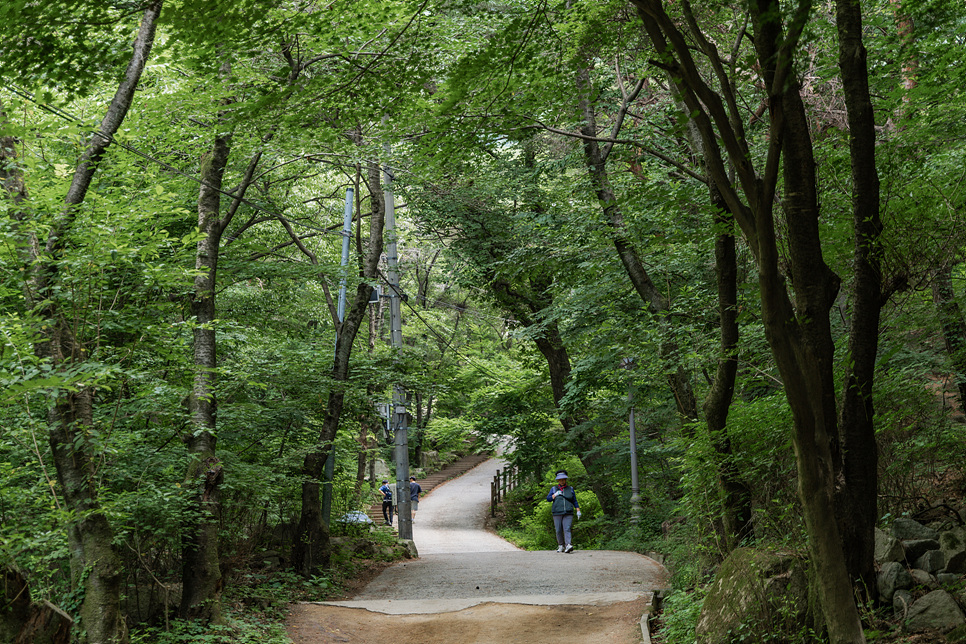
<point>799,335</point>
<point>311,545</point>
<point>856,500</point>
<point>803,349</point>
<point>736,497</point>
<point>95,564</point>
<point>201,568</point>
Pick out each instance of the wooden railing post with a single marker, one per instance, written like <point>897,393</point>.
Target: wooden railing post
<point>492,499</point>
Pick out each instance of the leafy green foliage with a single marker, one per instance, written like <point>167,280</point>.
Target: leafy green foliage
<point>502,244</point>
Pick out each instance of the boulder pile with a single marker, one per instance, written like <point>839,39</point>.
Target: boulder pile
<point>921,573</point>
<point>921,570</point>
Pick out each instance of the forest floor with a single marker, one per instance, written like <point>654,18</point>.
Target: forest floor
<point>469,585</point>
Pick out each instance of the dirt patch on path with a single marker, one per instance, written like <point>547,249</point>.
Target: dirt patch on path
<point>487,623</point>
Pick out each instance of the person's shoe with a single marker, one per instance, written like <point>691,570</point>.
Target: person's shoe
<point>569,548</point>
<point>559,548</point>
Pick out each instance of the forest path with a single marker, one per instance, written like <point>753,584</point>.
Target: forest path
<point>469,585</point>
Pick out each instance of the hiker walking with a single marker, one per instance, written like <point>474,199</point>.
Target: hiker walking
<point>386,502</point>
<point>414,492</point>
<point>565,504</point>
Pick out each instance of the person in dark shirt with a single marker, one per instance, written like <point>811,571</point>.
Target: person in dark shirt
<point>386,502</point>
<point>414,492</point>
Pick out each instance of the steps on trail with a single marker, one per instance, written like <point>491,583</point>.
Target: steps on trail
<point>451,471</point>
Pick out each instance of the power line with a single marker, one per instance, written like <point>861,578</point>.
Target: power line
<point>439,335</point>
<point>463,309</point>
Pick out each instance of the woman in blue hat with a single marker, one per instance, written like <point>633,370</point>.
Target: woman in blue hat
<point>564,501</point>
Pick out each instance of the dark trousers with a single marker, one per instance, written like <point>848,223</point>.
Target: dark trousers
<point>387,511</point>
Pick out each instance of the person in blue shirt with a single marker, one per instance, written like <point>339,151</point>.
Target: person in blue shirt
<point>386,502</point>
<point>564,500</point>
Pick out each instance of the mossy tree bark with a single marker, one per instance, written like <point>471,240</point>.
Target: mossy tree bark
<point>95,564</point>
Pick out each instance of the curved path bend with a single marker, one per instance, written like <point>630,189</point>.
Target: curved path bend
<point>461,565</point>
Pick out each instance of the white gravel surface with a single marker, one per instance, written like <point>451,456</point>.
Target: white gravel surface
<point>462,564</point>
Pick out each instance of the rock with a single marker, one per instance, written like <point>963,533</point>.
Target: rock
<point>932,561</point>
<point>887,547</point>
<point>958,634</point>
<point>908,530</point>
<point>923,578</point>
<point>919,547</point>
<point>936,610</point>
<point>947,579</point>
<point>753,592</point>
<point>956,563</point>
<point>901,603</point>
<point>953,545</point>
<point>892,577</point>
<point>410,547</point>
<point>429,459</point>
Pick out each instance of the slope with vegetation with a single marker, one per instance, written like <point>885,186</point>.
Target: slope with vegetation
<point>760,204</point>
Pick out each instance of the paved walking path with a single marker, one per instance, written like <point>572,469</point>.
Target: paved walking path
<point>429,483</point>
<point>461,564</point>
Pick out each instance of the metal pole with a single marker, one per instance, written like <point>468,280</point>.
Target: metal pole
<point>346,238</point>
<point>330,459</point>
<point>628,364</point>
<point>400,418</point>
<point>635,483</point>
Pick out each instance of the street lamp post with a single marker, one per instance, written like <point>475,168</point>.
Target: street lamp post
<point>628,364</point>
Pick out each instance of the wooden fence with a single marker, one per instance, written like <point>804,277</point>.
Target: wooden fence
<point>503,482</point>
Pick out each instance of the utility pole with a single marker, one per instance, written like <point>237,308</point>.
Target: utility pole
<point>330,460</point>
<point>628,364</point>
<point>398,412</point>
